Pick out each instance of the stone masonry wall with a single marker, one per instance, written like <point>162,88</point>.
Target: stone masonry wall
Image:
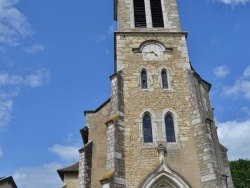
<point>211,160</point>
<point>97,133</point>
<point>141,159</point>
<point>117,103</point>
<point>227,167</point>
<point>115,134</point>
<point>203,140</point>
<point>81,175</point>
<point>85,166</point>
<point>115,154</point>
<point>71,180</point>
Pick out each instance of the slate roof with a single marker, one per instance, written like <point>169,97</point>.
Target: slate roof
<point>72,168</point>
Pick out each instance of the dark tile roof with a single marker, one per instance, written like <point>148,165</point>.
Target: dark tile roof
<point>72,168</point>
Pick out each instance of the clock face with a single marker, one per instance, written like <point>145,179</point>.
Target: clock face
<point>152,52</point>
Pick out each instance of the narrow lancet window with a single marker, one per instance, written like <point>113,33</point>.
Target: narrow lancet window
<point>147,129</point>
<point>164,79</point>
<point>169,125</point>
<point>140,13</point>
<point>144,79</point>
<point>157,15</point>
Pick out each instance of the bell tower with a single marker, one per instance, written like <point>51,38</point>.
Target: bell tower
<point>170,137</point>
<point>157,128</point>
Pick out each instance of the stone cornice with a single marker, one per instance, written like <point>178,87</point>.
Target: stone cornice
<point>161,33</point>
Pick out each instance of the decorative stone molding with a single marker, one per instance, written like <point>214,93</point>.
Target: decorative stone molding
<point>163,176</point>
<point>152,50</point>
<point>169,77</point>
<point>106,178</point>
<point>162,151</point>
<point>175,118</point>
<point>153,125</point>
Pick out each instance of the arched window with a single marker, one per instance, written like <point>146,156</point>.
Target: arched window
<point>156,11</point>
<point>140,13</point>
<point>144,79</point>
<point>164,79</point>
<point>169,126</point>
<point>147,129</point>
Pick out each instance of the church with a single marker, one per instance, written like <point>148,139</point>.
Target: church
<point>157,129</point>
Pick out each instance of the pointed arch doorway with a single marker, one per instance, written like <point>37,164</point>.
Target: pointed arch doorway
<point>164,184</point>
<point>164,177</point>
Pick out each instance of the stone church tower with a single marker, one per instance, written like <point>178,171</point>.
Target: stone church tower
<point>157,129</point>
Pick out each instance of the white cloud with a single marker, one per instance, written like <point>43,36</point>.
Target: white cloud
<point>235,136</point>
<point>5,112</point>
<point>6,105</point>
<point>13,24</point>
<point>66,152</point>
<point>241,86</point>
<point>234,2</point>
<point>37,79</point>
<point>246,73</point>
<point>221,71</point>
<point>6,79</point>
<point>34,48</point>
<point>38,177</point>
<point>9,89</point>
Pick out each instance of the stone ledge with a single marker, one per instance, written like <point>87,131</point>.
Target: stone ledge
<point>106,177</point>
<point>113,120</point>
<point>89,144</point>
<point>161,33</point>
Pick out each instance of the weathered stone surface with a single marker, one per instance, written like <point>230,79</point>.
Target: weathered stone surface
<point>119,156</point>
<point>71,180</point>
<point>97,134</point>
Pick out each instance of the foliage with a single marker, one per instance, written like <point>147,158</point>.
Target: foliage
<point>240,170</point>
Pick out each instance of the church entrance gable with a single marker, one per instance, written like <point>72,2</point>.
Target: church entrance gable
<point>164,177</point>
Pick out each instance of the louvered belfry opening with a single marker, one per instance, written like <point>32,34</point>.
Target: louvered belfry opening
<point>156,11</point>
<point>140,14</point>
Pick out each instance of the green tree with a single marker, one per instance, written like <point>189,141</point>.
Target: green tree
<point>240,170</point>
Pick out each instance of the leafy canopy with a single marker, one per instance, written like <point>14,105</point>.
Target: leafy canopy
<point>240,171</point>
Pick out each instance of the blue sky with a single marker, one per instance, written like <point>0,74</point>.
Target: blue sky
<point>55,61</point>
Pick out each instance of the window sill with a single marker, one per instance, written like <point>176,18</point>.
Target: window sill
<point>147,90</point>
<point>173,146</point>
<point>170,146</point>
<point>149,145</point>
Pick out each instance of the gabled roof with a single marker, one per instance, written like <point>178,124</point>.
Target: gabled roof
<point>201,79</point>
<point>9,180</point>
<point>73,168</point>
<point>99,108</point>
